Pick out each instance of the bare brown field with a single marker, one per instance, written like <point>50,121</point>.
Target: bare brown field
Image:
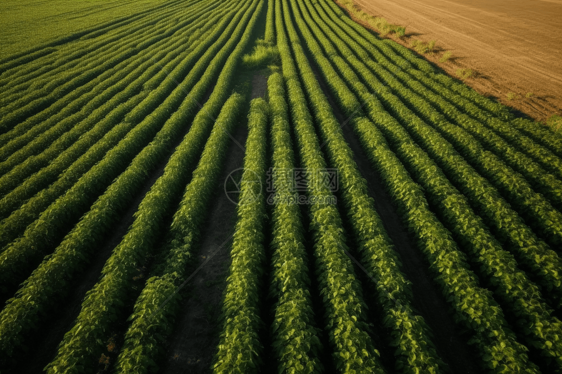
<point>512,46</point>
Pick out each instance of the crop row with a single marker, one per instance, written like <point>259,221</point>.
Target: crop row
<point>99,309</point>
<point>438,246</point>
<point>411,337</point>
<point>295,332</point>
<point>241,306</point>
<point>28,250</point>
<point>345,310</point>
<point>177,254</point>
<point>532,252</point>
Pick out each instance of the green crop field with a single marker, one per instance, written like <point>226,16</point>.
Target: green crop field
<point>263,186</point>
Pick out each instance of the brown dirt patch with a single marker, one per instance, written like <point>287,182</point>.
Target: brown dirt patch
<point>513,46</point>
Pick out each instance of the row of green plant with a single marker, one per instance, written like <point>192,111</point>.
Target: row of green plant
<point>542,155</point>
<point>540,134</point>
<point>512,185</point>
<point>84,53</point>
<point>410,334</point>
<point>150,327</point>
<point>536,254</point>
<point>344,307</point>
<point>294,331</point>
<point>25,253</point>
<point>242,304</point>
<point>154,315</point>
<point>96,110</point>
<point>64,133</point>
<point>48,283</point>
<point>269,36</point>
<point>156,308</point>
<point>24,204</point>
<point>474,306</point>
<point>34,74</point>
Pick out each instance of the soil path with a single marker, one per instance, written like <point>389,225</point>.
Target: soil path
<point>513,46</point>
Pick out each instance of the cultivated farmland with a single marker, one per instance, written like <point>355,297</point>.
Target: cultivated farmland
<point>260,186</point>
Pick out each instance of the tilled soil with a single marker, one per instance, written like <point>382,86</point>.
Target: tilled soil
<point>512,46</point>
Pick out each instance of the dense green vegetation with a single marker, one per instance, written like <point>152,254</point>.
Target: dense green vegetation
<point>126,113</point>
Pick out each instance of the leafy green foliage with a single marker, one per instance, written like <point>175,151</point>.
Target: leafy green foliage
<point>433,238</point>
<point>352,347</point>
<point>296,343</point>
<point>44,286</point>
<point>239,348</point>
<point>187,220</point>
<point>262,56</point>
<point>410,335</point>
